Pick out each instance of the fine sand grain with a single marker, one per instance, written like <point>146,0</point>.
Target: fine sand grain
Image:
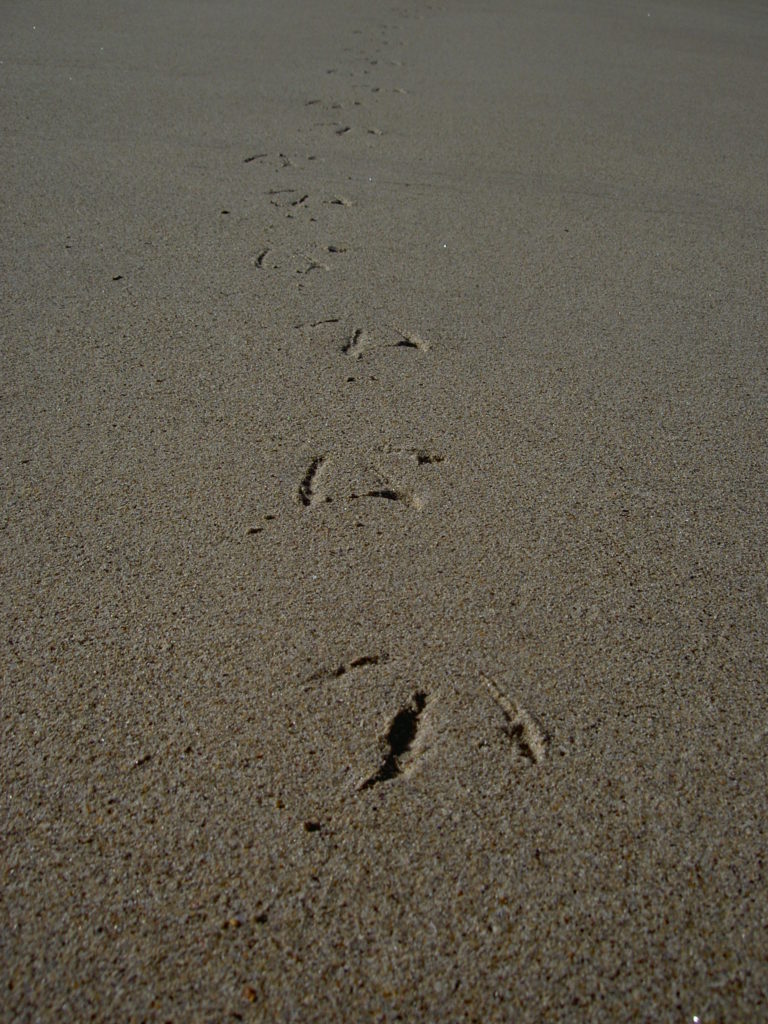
<point>383,528</point>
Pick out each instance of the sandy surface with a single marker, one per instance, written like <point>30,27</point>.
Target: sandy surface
<point>383,530</point>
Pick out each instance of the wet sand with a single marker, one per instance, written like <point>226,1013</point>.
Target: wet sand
<point>383,528</point>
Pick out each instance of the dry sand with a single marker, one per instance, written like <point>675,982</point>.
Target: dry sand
<point>383,529</point>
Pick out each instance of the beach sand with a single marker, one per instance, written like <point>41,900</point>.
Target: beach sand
<point>383,529</point>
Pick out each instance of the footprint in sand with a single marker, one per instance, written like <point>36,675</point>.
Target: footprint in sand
<point>292,262</point>
<point>357,342</point>
<point>402,744</point>
<point>362,340</point>
<point>529,739</point>
<point>396,476</point>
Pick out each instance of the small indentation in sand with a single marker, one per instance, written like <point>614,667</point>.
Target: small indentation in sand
<point>527,735</point>
<point>309,480</point>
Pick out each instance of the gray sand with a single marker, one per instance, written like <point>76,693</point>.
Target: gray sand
<point>383,529</point>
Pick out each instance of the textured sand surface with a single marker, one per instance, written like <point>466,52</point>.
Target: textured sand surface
<point>383,530</point>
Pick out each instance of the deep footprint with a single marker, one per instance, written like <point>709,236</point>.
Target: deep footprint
<point>399,738</point>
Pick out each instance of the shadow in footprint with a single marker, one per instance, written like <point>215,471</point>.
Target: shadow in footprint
<point>399,739</point>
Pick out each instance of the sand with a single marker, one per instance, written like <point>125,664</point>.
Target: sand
<point>383,528</point>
